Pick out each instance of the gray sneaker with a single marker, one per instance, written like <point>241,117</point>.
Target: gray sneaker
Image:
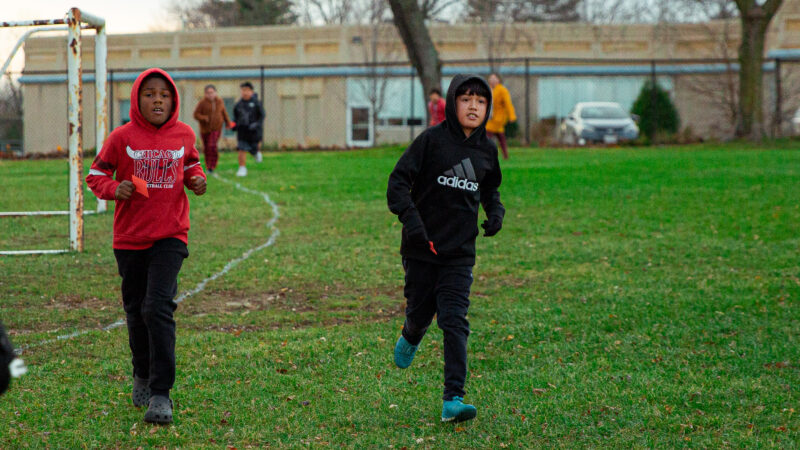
<point>141,391</point>
<point>159,411</point>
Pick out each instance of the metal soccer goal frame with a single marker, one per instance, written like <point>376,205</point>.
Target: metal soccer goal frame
<point>73,22</point>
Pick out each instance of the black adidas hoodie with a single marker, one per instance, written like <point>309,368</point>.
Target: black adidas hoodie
<point>438,183</point>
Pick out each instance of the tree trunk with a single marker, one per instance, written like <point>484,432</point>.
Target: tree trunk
<point>410,23</point>
<point>755,21</point>
<point>751,74</point>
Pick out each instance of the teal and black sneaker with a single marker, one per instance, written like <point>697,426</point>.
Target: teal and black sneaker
<point>404,353</point>
<point>456,411</point>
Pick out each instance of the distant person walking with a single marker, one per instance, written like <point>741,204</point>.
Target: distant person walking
<point>502,112</point>
<point>211,114</point>
<point>435,107</point>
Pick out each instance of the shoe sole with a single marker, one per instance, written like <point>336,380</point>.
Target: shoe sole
<point>462,417</point>
<point>402,366</point>
<point>158,419</point>
<point>161,416</point>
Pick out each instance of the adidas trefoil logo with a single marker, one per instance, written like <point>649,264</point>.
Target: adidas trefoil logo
<point>461,176</point>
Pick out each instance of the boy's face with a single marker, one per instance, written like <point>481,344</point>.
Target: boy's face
<point>155,101</point>
<point>493,81</point>
<point>470,110</point>
<point>211,94</point>
<point>434,97</point>
<point>247,93</point>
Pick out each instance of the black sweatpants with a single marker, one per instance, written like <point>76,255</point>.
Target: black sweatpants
<point>433,289</point>
<point>149,285</point>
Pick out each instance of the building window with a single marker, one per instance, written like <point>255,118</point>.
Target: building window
<point>124,111</point>
<point>397,104</point>
<point>360,124</point>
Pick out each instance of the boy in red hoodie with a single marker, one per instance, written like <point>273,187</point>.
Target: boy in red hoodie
<point>151,226</point>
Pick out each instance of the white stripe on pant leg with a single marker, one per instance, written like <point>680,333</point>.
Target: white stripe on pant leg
<point>201,285</point>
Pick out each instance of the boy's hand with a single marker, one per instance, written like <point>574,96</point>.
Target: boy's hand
<point>418,236</point>
<point>231,125</point>
<point>492,226</point>
<point>198,185</point>
<point>124,190</point>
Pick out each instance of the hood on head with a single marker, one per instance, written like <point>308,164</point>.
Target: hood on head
<point>136,114</point>
<point>453,125</point>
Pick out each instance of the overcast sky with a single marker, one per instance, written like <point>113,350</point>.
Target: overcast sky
<point>130,16</point>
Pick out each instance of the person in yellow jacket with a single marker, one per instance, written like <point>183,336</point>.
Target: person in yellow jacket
<point>502,112</point>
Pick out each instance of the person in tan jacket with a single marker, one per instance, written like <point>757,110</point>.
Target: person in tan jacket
<point>211,114</point>
<point>502,112</point>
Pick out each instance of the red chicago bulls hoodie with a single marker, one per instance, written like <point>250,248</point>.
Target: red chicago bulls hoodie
<point>163,156</point>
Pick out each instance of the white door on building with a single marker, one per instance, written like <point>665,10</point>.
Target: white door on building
<point>360,126</point>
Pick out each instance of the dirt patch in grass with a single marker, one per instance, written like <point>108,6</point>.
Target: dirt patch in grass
<point>297,300</point>
<point>295,308</point>
<point>69,301</point>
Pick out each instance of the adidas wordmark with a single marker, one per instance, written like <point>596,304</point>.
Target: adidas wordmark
<point>461,176</point>
<point>456,182</point>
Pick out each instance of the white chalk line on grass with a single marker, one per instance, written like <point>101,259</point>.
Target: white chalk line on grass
<point>201,285</point>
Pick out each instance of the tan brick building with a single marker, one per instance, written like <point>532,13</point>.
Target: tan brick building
<point>318,91</point>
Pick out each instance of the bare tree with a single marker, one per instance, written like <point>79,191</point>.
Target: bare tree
<point>10,109</point>
<point>524,10</point>
<point>227,13</point>
<point>329,11</point>
<point>374,33</point>
<point>435,9</point>
<point>755,18</point>
<point>712,19</point>
<point>410,22</point>
<point>354,11</point>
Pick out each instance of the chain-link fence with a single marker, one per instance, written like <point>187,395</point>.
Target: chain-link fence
<point>340,106</point>
<point>11,133</point>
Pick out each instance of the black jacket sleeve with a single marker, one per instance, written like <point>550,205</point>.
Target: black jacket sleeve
<point>490,196</point>
<point>236,113</point>
<point>402,179</point>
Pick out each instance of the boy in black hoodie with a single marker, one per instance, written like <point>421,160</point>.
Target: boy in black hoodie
<point>248,114</point>
<point>435,189</point>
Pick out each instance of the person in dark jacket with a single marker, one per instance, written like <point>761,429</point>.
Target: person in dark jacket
<point>248,114</point>
<point>435,189</point>
<point>6,356</point>
<point>10,365</point>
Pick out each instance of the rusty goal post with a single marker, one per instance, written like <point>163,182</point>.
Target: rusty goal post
<point>73,22</point>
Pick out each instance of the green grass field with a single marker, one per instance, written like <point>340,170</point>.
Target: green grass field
<point>634,298</point>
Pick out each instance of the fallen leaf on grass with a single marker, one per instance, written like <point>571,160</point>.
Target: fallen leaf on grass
<point>781,429</point>
<point>460,429</point>
<point>778,365</point>
<point>539,391</point>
